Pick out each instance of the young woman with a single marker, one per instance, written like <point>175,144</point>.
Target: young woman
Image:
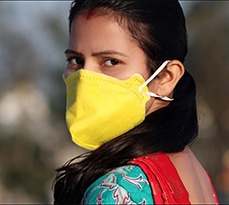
<point>132,103</point>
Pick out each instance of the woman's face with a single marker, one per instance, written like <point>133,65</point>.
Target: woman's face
<point>99,44</point>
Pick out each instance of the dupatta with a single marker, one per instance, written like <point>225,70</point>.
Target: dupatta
<point>165,183</point>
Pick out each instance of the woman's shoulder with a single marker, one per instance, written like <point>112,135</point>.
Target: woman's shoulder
<point>123,185</point>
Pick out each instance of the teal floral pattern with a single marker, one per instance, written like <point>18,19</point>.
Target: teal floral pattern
<point>123,185</point>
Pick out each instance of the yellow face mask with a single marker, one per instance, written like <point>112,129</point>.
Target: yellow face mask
<point>100,108</point>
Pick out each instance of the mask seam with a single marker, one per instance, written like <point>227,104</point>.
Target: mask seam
<point>101,80</point>
<point>142,98</point>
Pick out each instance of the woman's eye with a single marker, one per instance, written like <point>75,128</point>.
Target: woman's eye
<point>75,61</point>
<point>111,62</point>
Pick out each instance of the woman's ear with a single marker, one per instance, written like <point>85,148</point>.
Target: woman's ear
<point>173,73</point>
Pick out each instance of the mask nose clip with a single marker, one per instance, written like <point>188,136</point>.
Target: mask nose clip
<point>165,98</point>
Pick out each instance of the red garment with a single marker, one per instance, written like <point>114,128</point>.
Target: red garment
<point>165,183</point>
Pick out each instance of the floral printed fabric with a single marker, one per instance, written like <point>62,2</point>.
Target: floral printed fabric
<point>123,185</point>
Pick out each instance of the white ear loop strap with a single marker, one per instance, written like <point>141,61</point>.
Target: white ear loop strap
<point>165,98</point>
<point>154,75</point>
<point>163,65</point>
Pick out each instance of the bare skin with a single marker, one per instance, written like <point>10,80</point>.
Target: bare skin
<point>193,177</point>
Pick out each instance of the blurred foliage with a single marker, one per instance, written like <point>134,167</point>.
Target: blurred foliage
<point>33,137</point>
<point>27,164</point>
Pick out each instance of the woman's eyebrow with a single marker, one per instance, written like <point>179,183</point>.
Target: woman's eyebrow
<point>108,52</point>
<point>70,51</point>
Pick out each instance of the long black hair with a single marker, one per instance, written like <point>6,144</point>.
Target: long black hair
<point>158,27</point>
